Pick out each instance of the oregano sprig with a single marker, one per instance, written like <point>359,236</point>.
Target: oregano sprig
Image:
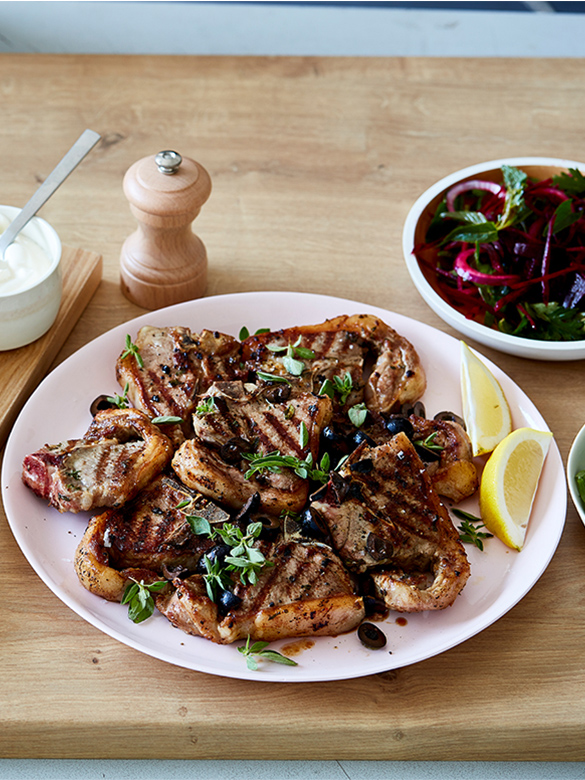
<point>138,596</point>
<point>469,529</point>
<point>132,349</point>
<point>259,650</point>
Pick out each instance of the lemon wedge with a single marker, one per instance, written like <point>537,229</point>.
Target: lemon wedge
<point>509,481</point>
<point>485,408</point>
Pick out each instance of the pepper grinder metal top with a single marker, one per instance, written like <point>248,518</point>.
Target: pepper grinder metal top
<point>168,161</point>
<point>163,262</point>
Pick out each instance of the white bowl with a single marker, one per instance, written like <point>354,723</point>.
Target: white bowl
<point>415,229</point>
<point>576,463</point>
<point>27,314</point>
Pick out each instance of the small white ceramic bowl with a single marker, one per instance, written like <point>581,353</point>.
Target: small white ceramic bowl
<point>416,226</point>
<point>576,463</point>
<point>27,314</point>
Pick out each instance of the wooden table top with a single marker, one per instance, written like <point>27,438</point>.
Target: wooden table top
<point>314,163</point>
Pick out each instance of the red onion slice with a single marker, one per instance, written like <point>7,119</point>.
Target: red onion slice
<point>474,184</point>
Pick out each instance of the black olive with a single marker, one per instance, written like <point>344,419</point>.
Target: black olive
<point>426,455</point>
<point>179,572</point>
<point>450,417</point>
<point>378,548</point>
<point>370,636</point>
<point>363,466</point>
<point>399,424</point>
<point>100,404</point>
<point>374,606</point>
<point>278,394</point>
<point>361,436</point>
<point>270,527</point>
<point>335,444</point>
<point>252,505</point>
<point>311,525</point>
<point>231,451</point>
<point>340,486</point>
<point>332,437</point>
<point>334,441</point>
<point>217,553</point>
<point>418,409</point>
<point>228,601</point>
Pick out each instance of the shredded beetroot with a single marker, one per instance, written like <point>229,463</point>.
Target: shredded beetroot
<point>526,254</point>
<point>469,274</point>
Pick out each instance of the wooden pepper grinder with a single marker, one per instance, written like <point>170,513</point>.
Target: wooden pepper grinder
<point>164,262</point>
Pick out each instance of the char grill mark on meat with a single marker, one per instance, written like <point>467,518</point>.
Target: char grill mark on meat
<point>147,535</point>
<point>118,455</point>
<point>258,425</point>
<point>307,592</point>
<point>388,521</point>
<point>342,345</point>
<point>178,365</point>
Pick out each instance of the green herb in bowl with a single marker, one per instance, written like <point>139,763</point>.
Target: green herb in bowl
<point>510,253</point>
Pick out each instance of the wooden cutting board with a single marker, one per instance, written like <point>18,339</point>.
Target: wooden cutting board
<point>22,369</point>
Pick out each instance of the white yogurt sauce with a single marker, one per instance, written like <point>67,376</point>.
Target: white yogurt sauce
<point>24,263</point>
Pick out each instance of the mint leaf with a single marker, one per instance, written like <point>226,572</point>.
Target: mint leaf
<point>481,232</point>
<point>565,216</point>
<point>572,183</point>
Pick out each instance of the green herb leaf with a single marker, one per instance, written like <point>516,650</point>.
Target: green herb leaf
<point>169,418</point>
<point>515,183</point>
<point>572,183</point>
<point>547,322</point>
<point>304,435</point>
<point>304,353</point>
<point>274,462</point>
<point>565,216</point>
<point>121,401</point>
<point>216,579</point>
<point>243,557</point>
<point>272,377</point>
<point>357,414</point>
<point>207,405</point>
<point>429,443</point>
<point>469,529</point>
<point>132,349</point>
<point>140,602</point>
<point>482,233</point>
<point>580,482</point>
<point>276,348</point>
<point>199,525</point>
<point>259,650</point>
<point>343,386</point>
<point>472,217</point>
<point>328,389</point>
<point>245,333</point>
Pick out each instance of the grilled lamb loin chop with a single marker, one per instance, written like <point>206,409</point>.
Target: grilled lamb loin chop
<point>121,452</point>
<point>149,538</point>
<point>341,345</point>
<point>453,474</point>
<point>177,366</point>
<point>448,459</point>
<point>386,519</point>
<point>244,419</point>
<point>307,592</point>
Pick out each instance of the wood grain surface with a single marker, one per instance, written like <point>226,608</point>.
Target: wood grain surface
<point>315,164</point>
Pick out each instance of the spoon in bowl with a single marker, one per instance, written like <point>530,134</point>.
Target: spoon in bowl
<point>84,144</point>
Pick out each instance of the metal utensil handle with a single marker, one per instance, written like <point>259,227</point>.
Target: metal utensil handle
<point>84,144</point>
